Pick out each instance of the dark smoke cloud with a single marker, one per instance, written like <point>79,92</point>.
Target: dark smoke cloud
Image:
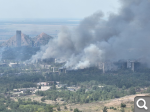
<point>125,35</point>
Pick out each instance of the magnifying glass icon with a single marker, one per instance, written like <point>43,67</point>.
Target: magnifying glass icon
<point>143,106</point>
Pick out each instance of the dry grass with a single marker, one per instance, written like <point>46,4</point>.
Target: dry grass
<point>37,98</point>
<point>98,106</point>
<point>91,107</point>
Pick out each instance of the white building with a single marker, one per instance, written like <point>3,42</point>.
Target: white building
<point>13,64</point>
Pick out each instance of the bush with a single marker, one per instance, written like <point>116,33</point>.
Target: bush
<point>71,109</point>
<point>122,110</point>
<point>76,110</point>
<point>43,99</point>
<point>65,107</point>
<point>123,105</point>
<point>132,91</point>
<point>58,108</point>
<point>113,108</point>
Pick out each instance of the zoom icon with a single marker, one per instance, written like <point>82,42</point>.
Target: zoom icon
<point>142,104</point>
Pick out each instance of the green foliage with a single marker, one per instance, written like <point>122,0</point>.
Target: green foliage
<point>49,109</point>
<point>71,109</point>
<point>23,105</point>
<point>77,110</point>
<point>105,109</point>
<point>58,108</point>
<point>123,105</point>
<point>112,86</point>
<point>80,96</point>
<point>113,108</point>
<point>124,78</point>
<point>43,99</point>
<point>122,110</point>
<point>65,107</point>
<point>54,87</point>
<point>132,90</point>
<point>132,109</point>
<point>148,89</point>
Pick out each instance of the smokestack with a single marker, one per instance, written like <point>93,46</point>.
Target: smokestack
<point>103,67</point>
<point>132,66</point>
<point>18,38</point>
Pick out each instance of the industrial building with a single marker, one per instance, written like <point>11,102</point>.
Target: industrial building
<point>133,65</point>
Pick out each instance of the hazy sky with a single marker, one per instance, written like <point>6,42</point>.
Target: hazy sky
<point>55,8</point>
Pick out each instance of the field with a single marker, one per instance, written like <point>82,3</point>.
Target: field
<point>90,107</point>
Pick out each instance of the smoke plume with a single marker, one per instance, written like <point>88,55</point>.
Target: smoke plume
<point>125,35</point>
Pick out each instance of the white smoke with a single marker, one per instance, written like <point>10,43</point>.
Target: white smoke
<point>90,55</point>
<point>123,36</point>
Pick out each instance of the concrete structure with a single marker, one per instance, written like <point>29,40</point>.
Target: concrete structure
<point>44,88</point>
<point>61,86</point>
<point>135,65</point>
<point>73,88</point>
<point>43,83</point>
<point>106,66</point>
<point>45,66</point>
<point>132,66</point>
<point>23,90</point>
<point>18,38</point>
<point>13,64</point>
<point>128,64</point>
<point>53,69</point>
<point>62,70</point>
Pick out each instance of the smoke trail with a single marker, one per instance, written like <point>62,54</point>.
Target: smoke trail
<point>123,36</point>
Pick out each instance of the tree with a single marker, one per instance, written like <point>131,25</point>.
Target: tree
<point>71,109</point>
<point>54,87</point>
<point>148,90</point>
<point>58,108</point>
<point>132,90</point>
<point>105,109</point>
<point>65,107</point>
<point>123,105</point>
<point>49,109</point>
<point>43,99</point>
<point>132,109</point>
<point>122,110</point>
<point>28,92</point>
<point>77,110</point>
<point>39,87</point>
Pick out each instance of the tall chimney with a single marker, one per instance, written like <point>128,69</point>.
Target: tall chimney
<point>103,67</point>
<point>18,38</point>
